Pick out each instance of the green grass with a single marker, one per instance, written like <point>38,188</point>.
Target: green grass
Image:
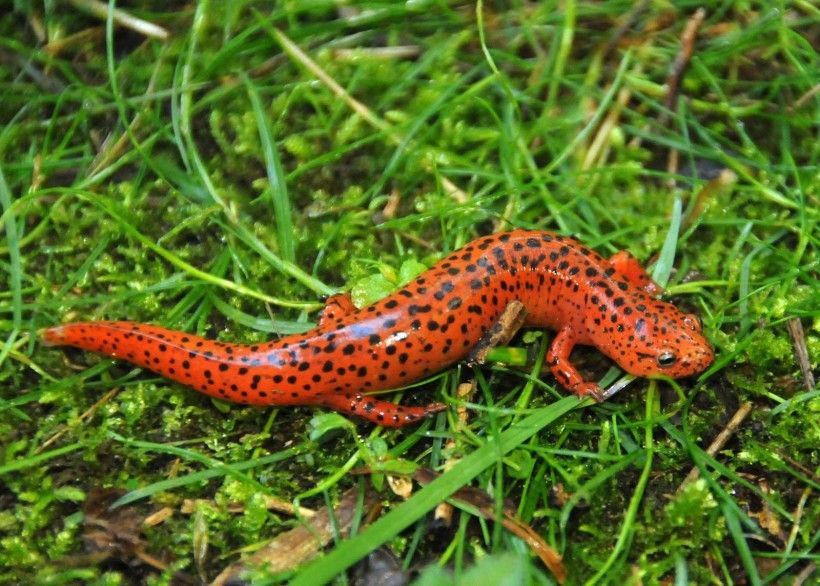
<point>223,181</point>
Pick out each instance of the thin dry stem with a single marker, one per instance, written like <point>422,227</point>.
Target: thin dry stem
<point>720,441</point>
<point>801,352</point>
<point>123,18</point>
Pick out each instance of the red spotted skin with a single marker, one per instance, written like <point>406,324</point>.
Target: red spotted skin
<point>427,326</point>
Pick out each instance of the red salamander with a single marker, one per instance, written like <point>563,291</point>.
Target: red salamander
<point>426,326</point>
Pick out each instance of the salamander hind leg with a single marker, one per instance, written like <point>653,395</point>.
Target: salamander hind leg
<point>563,370</point>
<point>628,267</point>
<point>336,306</point>
<point>378,411</point>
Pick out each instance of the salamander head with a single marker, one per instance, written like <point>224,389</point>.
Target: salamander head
<point>658,340</point>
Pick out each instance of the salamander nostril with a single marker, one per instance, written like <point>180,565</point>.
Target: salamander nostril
<point>667,359</point>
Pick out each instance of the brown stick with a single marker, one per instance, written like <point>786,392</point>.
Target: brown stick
<point>683,57</point>
<point>679,66</point>
<point>720,440</point>
<point>501,332</point>
<point>801,352</point>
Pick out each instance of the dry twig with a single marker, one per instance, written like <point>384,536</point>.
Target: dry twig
<point>720,441</point>
<point>122,18</point>
<point>801,352</point>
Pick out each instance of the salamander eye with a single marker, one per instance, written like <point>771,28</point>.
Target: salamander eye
<point>667,359</point>
<point>693,322</point>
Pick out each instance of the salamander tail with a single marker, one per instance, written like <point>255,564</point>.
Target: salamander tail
<point>54,336</point>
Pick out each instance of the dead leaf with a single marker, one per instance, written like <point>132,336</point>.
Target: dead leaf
<point>292,548</point>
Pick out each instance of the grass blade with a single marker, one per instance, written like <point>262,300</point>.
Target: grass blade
<point>666,259</point>
<point>351,550</point>
<point>9,220</point>
<point>276,176</point>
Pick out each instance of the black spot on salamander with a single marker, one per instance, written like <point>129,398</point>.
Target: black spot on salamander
<point>591,272</point>
<point>391,303</point>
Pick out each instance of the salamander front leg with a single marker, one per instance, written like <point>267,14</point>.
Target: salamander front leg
<point>628,267</point>
<point>336,307</point>
<point>378,411</point>
<point>563,370</point>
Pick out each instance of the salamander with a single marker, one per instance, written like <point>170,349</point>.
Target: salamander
<point>426,326</point>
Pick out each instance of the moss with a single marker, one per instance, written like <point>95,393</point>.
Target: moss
<point>114,225</point>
